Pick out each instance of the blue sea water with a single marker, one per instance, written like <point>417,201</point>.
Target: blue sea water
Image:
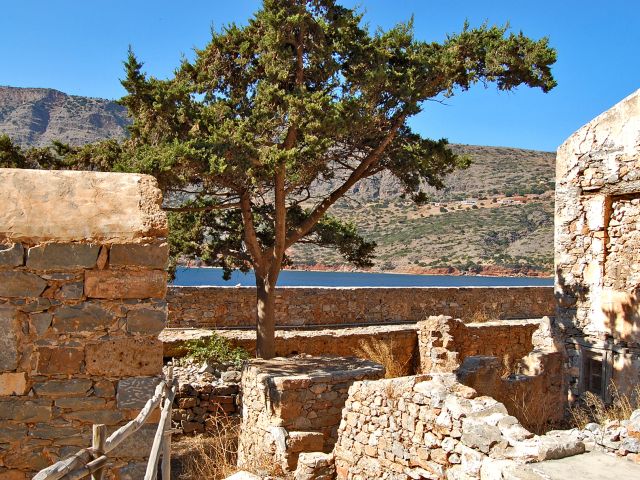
<point>294,278</point>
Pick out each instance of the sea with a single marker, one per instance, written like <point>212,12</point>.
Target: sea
<point>190,276</point>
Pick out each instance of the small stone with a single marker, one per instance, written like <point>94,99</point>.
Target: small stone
<point>231,376</point>
<point>11,255</point>
<point>71,291</point>
<point>40,322</point>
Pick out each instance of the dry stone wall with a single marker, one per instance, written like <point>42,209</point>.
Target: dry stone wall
<point>229,307</point>
<point>82,287</point>
<point>432,427</point>
<point>597,242</point>
<point>294,405</point>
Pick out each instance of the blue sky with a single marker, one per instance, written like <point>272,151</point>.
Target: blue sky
<point>78,47</point>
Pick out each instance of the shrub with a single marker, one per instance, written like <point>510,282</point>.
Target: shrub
<point>215,349</point>
<point>593,409</point>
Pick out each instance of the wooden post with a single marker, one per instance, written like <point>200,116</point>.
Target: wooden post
<point>98,444</point>
<point>165,467</point>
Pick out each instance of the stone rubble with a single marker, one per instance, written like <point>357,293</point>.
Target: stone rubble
<point>204,394</point>
<point>617,437</point>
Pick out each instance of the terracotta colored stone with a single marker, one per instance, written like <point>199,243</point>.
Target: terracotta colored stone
<point>124,357</point>
<point>60,360</point>
<point>114,284</point>
<point>13,383</point>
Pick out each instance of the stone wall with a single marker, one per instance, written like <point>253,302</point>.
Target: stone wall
<point>433,427</point>
<point>228,307</point>
<point>82,287</point>
<point>399,341</point>
<point>518,362</point>
<point>597,242</point>
<point>294,405</point>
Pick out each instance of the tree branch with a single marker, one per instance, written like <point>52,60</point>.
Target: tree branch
<point>357,174</point>
<point>209,208</point>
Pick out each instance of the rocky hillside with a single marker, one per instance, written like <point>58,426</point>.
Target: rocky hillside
<point>35,116</point>
<point>495,217</point>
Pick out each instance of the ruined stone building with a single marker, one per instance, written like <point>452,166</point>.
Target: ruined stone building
<point>597,244</point>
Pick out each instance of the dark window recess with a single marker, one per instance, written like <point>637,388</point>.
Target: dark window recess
<point>593,375</point>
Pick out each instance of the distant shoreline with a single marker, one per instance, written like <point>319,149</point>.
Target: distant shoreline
<point>487,271</point>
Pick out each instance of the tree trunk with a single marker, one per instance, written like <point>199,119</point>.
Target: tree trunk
<point>265,317</point>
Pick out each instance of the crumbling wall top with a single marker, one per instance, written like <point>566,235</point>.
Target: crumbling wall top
<point>39,205</point>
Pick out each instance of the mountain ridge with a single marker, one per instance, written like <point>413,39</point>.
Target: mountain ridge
<point>495,216</point>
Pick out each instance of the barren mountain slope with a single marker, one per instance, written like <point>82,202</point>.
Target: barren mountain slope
<point>494,217</point>
<point>36,116</point>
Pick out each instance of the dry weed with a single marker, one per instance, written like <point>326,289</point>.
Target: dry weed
<point>592,408</point>
<point>211,457</point>
<point>383,353</point>
<point>482,314</point>
<point>533,409</point>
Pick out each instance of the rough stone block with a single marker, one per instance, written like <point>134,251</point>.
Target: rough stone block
<point>146,321</point>
<point>11,255</point>
<point>48,431</point>
<point>84,205</point>
<point>107,417</point>
<point>40,322</point>
<point>135,391</point>
<point>8,339</point>
<point>132,471</point>
<point>21,284</point>
<point>71,291</point>
<point>305,441</point>
<point>81,403</point>
<point>116,284</point>
<point>104,388</point>
<point>124,357</point>
<point>139,255</point>
<point>60,360</point>
<point>13,383</point>
<point>138,445</point>
<point>85,316</point>
<point>62,256</point>
<point>12,432</point>
<point>27,411</point>
<point>63,388</point>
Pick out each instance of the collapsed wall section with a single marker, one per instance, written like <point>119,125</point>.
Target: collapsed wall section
<point>433,427</point>
<point>82,288</point>
<point>597,239</point>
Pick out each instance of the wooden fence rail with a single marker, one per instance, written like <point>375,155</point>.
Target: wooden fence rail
<point>92,460</point>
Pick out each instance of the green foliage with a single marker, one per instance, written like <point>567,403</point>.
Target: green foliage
<point>53,157</point>
<point>302,95</point>
<point>217,349</point>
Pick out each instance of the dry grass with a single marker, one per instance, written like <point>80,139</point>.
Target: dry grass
<point>210,457</point>
<point>482,314</point>
<point>533,408</point>
<point>383,353</point>
<point>592,408</point>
